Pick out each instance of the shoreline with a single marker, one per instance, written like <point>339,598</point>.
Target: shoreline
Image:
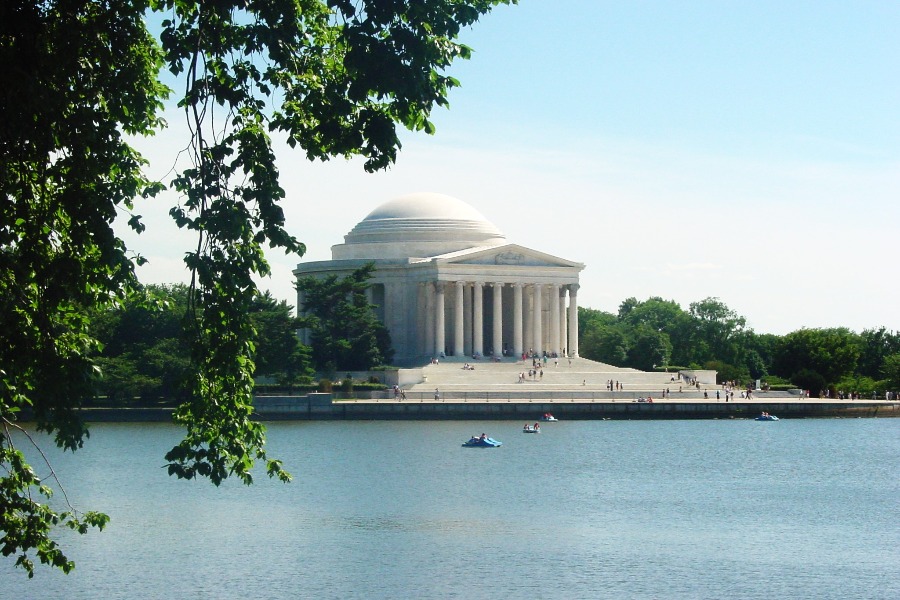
<point>322,407</point>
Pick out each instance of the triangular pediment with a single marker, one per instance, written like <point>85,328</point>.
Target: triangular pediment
<point>505,255</point>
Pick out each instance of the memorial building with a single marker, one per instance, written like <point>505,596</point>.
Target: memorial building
<point>448,283</point>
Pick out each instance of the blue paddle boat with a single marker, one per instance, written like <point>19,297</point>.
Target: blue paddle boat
<point>482,442</point>
<point>766,417</point>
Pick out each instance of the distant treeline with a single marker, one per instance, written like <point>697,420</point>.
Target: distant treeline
<point>144,354</point>
<point>657,333</point>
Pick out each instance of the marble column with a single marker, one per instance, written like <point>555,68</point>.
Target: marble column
<point>429,318</point>
<point>517,320</point>
<point>439,344</point>
<point>478,320</point>
<point>418,344</point>
<point>528,318</point>
<point>537,314</point>
<point>573,319</point>
<point>498,319</point>
<point>554,319</point>
<point>458,320</point>
<point>563,332</point>
<point>467,320</point>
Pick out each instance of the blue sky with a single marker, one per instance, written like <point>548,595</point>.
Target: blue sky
<point>744,150</point>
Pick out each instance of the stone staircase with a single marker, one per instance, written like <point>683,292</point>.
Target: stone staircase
<point>577,374</point>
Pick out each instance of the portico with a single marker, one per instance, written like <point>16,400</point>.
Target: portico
<point>488,318</point>
<point>448,284</point>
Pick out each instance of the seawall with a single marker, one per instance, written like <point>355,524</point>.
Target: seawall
<point>321,407</point>
<point>573,410</point>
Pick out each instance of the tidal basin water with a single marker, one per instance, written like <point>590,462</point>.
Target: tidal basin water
<point>587,509</point>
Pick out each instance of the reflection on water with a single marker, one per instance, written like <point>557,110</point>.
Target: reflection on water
<point>589,509</point>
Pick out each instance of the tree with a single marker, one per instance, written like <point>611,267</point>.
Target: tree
<point>345,332</point>
<point>891,370</point>
<point>588,319</point>
<point>605,344</point>
<point>832,353</point>
<point>720,328</point>
<point>335,78</point>
<point>143,342</point>
<point>650,348</point>
<point>654,312</point>
<point>279,352</point>
<point>809,380</point>
<point>875,346</point>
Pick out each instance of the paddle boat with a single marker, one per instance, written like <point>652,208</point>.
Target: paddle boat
<point>482,442</point>
<point>531,428</point>
<point>766,417</point>
<point>548,418</point>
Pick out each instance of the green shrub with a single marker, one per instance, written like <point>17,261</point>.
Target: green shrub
<point>363,386</point>
<point>288,390</point>
<point>325,386</point>
<point>863,385</point>
<point>781,387</point>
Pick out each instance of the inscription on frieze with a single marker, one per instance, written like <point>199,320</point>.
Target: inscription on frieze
<point>509,258</point>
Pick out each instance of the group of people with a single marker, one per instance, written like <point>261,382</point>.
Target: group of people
<point>536,427</point>
<point>728,388</point>
<point>532,374</point>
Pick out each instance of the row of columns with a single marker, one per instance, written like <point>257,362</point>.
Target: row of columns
<point>562,322</point>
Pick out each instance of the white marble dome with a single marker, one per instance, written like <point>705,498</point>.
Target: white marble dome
<point>418,225</point>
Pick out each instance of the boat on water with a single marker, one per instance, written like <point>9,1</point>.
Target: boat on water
<point>548,418</point>
<point>766,417</point>
<point>531,428</point>
<point>482,442</point>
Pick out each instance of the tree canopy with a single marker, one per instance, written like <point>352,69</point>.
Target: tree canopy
<point>334,77</point>
<point>657,332</point>
<point>144,354</point>
<point>345,333</point>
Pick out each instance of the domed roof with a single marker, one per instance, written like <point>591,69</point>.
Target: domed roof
<point>426,217</point>
<point>426,205</point>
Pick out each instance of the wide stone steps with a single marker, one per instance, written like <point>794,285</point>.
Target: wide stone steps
<point>577,374</point>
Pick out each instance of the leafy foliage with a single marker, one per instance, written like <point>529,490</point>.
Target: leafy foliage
<point>891,370</point>
<point>143,345</point>
<point>659,332</point>
<point>345,332</point>
<point>832,353</point>
<point>75,79</point>
<point>279,353</point>
<point>335,77</point>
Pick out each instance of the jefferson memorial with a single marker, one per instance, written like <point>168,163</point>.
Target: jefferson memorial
<point>448,283</point>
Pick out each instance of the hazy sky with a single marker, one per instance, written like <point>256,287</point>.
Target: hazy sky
<point>744,150</point>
